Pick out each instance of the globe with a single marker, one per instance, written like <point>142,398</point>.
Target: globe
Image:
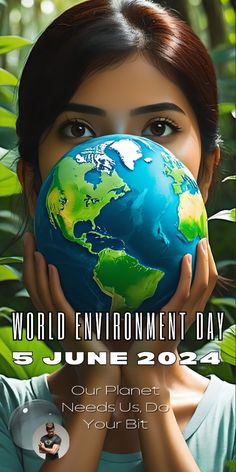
<point>115,215</point>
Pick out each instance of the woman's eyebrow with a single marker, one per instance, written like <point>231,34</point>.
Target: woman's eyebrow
<point>136,111</point>
<point>84,109</point>
<point>156,107</point>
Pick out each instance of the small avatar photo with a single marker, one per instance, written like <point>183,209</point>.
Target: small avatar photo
<point>51,441</point>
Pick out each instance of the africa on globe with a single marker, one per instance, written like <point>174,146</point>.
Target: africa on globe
<point>115,215</point>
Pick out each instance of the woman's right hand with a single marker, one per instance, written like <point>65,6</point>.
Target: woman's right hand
<point>43,284</point>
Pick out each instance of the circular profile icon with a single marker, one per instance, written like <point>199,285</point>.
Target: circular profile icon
<point>50,441</point>
<point>26,418</point>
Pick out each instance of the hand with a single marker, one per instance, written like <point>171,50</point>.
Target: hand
<point>41,447</point>
<point>188,299</point>
<point>43,285</point>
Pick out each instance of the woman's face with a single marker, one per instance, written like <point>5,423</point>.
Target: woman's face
<point>119,90</point>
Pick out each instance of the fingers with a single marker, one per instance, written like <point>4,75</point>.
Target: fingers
<point>61,304</point>
<point>201,277</point>
<point>178,300</point>
<point>59,300</point>
<point>43,290</point>
<point>213,277</point>
<point>44,287</point>
<point>200,283</point>
<point>29,270</point>
<point>194,298</point>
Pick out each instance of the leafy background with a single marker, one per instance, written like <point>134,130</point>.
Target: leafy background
<point>21,23</point>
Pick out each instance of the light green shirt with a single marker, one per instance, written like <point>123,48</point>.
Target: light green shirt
<point>210,433</point>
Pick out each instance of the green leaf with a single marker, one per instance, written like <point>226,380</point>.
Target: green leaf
<point>9,158</point>
<point>39,349</point>
<point>7,118</point>
<point>11,260</point>
<point>227,215</point>
<point>8,98</point>
<point>9,43</point>
<point>222,370</point>
<point>9,183</point>
<point>6,78</point>
<point>7,273</point>
<point>227,301</point>
<point>22,293</point>
<point>5,312</point>
<point>231,464</point>
<point>228,315</point>
<point>8,138</point>
<point>229,16</point>
<point>223,54</point>
<point>9,223</point>
<point>228,345</point>
<point>225,108</point>
<point>230,177</point>
<point>8,368</point>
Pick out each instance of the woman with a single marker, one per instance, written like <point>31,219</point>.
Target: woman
<point>89,69</point>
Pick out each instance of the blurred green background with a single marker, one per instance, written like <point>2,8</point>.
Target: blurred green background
<point>214,22</point>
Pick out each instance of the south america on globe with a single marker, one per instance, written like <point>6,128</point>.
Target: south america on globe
<point>115,215</point>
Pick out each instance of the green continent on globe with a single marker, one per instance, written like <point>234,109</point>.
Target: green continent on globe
<point>72,199</point>
<point>178,173</point>
<point>192,216</point>
<point>124,279</point>
<point>191,209</point>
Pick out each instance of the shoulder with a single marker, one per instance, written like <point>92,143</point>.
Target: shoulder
<point>222,394</point>
<point>224,391</point>
<point>222,409</point>
<point>57,439</point>
<point>12,391</point>
<point>210,434</point>
<point>215,413</point>
<point>15,392</point>
<point>221,420</point>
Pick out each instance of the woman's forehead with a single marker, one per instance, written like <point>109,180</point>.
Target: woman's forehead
<point>130,85</point>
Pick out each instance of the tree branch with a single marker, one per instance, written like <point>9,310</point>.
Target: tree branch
<point>216,26</point>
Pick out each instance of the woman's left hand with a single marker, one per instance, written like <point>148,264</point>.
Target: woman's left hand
<point>162,442</point>
<point>187,298</point>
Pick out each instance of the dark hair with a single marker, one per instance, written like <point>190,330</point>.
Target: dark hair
<point>96,34</point>
<point>50,425</point>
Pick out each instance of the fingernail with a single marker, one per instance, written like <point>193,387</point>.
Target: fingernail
<point>189,258</point>
<point>50,269</point>
<point>204,244</point>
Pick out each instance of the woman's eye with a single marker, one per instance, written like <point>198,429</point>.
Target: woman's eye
<point>161,128</point>
<point>76,129</point>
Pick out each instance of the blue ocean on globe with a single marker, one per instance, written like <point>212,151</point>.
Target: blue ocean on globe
<point>116,214</point>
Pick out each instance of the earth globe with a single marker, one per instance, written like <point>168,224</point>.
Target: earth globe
<point>115,215</point>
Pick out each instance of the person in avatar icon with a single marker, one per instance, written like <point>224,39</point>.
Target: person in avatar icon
<point>50,443</point>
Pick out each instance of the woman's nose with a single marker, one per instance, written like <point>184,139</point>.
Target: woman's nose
<point>119,122</point>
